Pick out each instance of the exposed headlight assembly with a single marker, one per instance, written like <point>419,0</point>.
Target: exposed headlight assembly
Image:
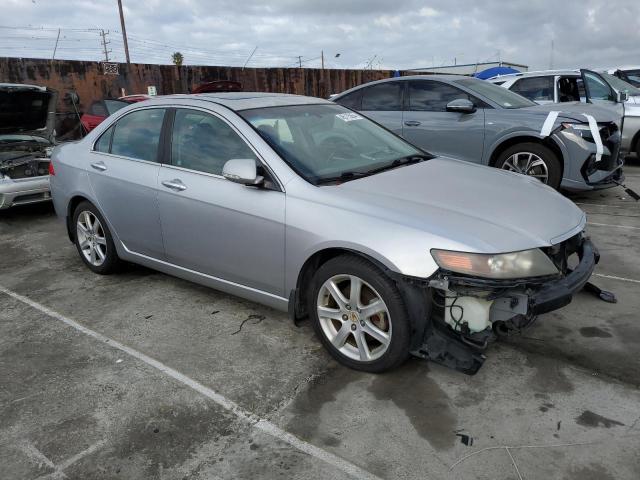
<point>501,266</point>
<point>580,129</point>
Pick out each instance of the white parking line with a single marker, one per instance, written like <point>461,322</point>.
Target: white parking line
<point>261,424</point>
<point>609,225</point>
<point>613,277</point>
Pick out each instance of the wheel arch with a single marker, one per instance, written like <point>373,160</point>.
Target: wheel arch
<point>298,296</point>
<point>511,141</point>
<point>417,302</point>
<point>71,207</point>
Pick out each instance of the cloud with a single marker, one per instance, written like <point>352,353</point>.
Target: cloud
<point>403,33</point>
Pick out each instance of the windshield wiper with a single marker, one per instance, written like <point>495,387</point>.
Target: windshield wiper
<point>343,177</point>
<point>351,175</point>
<point>408,160</point>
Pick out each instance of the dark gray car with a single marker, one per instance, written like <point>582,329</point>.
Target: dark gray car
<point>476,121</point>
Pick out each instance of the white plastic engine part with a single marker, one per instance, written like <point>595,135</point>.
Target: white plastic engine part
<point>470,310</point>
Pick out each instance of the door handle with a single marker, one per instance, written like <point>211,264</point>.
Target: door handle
<point>175,184</point>
<point>99,166</point>
<point>412,123</point>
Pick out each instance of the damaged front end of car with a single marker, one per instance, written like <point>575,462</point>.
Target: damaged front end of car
<point>472,299</point>
<point>27,138</point>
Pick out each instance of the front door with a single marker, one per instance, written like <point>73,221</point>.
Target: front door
<point>209,224</point>
<point>428,125</point>
<point>124,172</point>
<point>599,92</point>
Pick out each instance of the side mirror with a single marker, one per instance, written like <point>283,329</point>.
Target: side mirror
<point>461,105</point>
<point>243,171</point>
<point>622,97</point>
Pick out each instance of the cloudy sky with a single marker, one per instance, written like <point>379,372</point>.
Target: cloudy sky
<point>384,33</point>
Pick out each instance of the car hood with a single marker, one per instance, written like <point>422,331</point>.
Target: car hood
<point>576,111</point>
<point>470,207</point>
<point>27,110</point>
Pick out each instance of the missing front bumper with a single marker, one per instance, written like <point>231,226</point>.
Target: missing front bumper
<point>516,304</point>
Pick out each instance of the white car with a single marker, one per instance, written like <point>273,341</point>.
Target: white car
<point>602,88</point>
<point>27,118</point>
<point>628,73</point>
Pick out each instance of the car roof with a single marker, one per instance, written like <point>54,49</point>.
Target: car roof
<point>23,86</point>
<point>243,100</point>
<point>538,73</point>
<point>445,78</point>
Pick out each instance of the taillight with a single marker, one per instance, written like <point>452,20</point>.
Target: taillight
<point>51,169</point>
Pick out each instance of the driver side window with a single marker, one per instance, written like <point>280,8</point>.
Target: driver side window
<point>596,87</point>
<point>430,96</point>
<point>203,142</point>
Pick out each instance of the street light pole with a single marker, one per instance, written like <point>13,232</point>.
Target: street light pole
<point>124,32</point>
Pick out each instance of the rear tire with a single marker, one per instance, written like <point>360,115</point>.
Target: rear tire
<point>534,160</point>
<point>359,315</point>
<point>93,240</point>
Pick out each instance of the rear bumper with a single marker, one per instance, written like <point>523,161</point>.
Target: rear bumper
<point>23,191</point>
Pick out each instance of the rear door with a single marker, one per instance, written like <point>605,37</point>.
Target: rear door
<point>124,173</point>
<point>209,224</point>
<point>428,125</point>
<point>382,102</point>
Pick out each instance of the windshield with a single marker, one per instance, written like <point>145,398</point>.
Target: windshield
<point>620,85</point>
<point>329,142</point>
<point>500,95</point>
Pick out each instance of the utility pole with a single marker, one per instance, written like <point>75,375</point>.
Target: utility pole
<point>300,61</point>
<point>322,58</point>
<point>124,32</point>
<point>56,47</point>
<point>104,34</point>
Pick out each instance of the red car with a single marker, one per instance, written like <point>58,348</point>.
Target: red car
<point>218,86</point>
<point>99,110</point>
<point>138,97</point>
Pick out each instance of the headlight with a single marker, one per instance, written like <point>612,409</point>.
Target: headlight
<point>580,129</point>
<point>526,263</point>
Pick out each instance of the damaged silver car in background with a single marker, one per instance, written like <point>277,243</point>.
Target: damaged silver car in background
<point>27,119</point>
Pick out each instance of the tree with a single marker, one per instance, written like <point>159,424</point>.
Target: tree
<point>177,59</point>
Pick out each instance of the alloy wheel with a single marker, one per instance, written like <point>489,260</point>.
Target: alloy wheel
<point>91,238</point>
<point>354,317</point>
<point>527,163</point>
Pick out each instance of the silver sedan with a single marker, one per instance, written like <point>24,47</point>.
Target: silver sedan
<point>306,206</point>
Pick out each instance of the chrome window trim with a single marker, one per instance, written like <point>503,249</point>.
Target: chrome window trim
<point>95,152</point>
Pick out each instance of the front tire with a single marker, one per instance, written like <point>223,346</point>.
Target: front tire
<point>359,315</point>
<point>94,241</point>
<point>534,160</point>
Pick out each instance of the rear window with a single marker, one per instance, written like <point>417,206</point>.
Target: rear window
<point>383,97</point>
<point>114,105</point>
<point>352,100</point>
<point>535,88</point>
<point>137,135</point>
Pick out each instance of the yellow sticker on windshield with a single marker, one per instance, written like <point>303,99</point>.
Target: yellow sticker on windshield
<point>349,117</point>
